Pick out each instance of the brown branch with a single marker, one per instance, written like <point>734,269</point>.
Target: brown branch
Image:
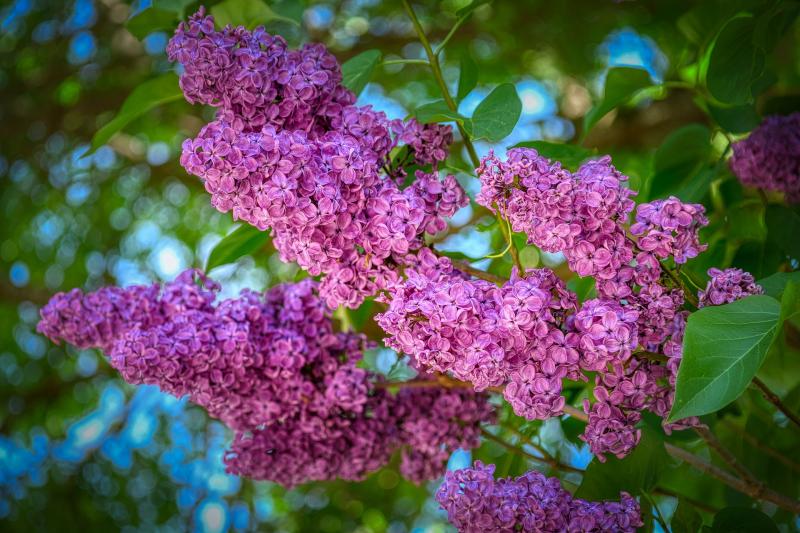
<point>755,492</point>
<point>775,400</point>
<point>729,459</point>
<point>755,443</point>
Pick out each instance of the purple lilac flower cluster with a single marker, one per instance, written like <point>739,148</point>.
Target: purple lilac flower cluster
<point>272,368</point>
<point>770,157</point>
<point>530,334</point>
<point>476,502</point>
<point>487,335</point>
<point>289,151</point>
<point>726,286</point>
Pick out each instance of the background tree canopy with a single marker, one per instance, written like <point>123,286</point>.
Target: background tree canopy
<point>93,194</point>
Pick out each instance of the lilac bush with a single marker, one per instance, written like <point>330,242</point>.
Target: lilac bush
<point>355,200</point>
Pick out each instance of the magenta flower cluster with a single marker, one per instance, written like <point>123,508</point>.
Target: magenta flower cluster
<point>272,368</point>
<point>477,502</point>
<point>487,335</point>
<point>530,334</point>
<point>726,286</point>
<point>289,151</point>
<point>770,157</point>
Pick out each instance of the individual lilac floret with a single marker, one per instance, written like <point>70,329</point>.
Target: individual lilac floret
<point>476,502</point>
<point>770,157</point>
<point>430,142</point>
<point>726,286</point>
<point>668,228</point>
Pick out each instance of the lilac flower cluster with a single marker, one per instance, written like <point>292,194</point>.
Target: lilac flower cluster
<point>530,334</point>
<point>476,502</point>
<point>289,151</point>
<point>726,286</point>
<point>668,228</point>
<point>581,214</point>
<point>273,369</point>
<point>770,157</point>
<point>487,335</point>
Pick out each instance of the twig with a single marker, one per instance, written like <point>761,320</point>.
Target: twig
<point>726,455</point>
<point>450,34</point>
<point>755,443</point>
<point>547,457</point>
<point>775,400</point>
<point>437,74</point>
<point>755,492</point>
<point>389,62</point>
<point>556,465</point>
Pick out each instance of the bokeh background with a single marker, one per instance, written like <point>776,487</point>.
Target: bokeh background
<point>79,449</point>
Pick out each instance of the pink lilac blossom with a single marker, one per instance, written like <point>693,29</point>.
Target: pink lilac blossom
<point>487,335</point>
<point>668,228</point>
<point>289,152</point>
<point>476,502</point>
<point>726,286</point>
<point>272,368</point>
<point>770,157</point>
<point>529,335</point>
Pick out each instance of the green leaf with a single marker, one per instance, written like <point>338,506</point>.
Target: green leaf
<point>723,347</point>
<point>436,111</point>
<point>746,222</point>
<point>736,119</point>
<point>584,288</point>
<point>685,519</point>
<point>244,240</point>
<point>775,284</point>
<point>247,13</point>
<point>638,472</point>
<point>678,160</point>
<point>475,4</point>
<point>783,229</point>
<point>742,520</point>
<point>569,155</point>
<point>357,70</point>
<point>790,301</point>
<point>734,63</point>
<point>467,76</point>
<point>496,116</point>
<point>621,84</point>
<point>148,95</point>
<point>152,19</point>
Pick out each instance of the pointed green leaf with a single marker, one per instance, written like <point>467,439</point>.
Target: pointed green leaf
<point>496,116</point>
<point>357,71</point>
<point>638,472</point>
<point>723,348</point>
<point>685,519</point>
<point>783,229</point>
<point>734,63</point>
<point>742,520</point>
<point>436,111</point>
<point>467,76</point>
<point>569,155</point>
<point>247,13</point>
<point>622,83</point>
<point>152,19</point>
<point>244,240</point>
<point>775,284</point>
<point>678,159</point>
<point>735,119</point>
<point>146,96</point>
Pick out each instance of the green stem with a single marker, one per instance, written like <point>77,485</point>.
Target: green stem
<point>450,34</point>
<point>659,516</point>
<point>437,74</point>
<point>405,62</point>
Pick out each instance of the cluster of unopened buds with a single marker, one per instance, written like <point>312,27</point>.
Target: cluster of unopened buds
<point>290,152</point>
